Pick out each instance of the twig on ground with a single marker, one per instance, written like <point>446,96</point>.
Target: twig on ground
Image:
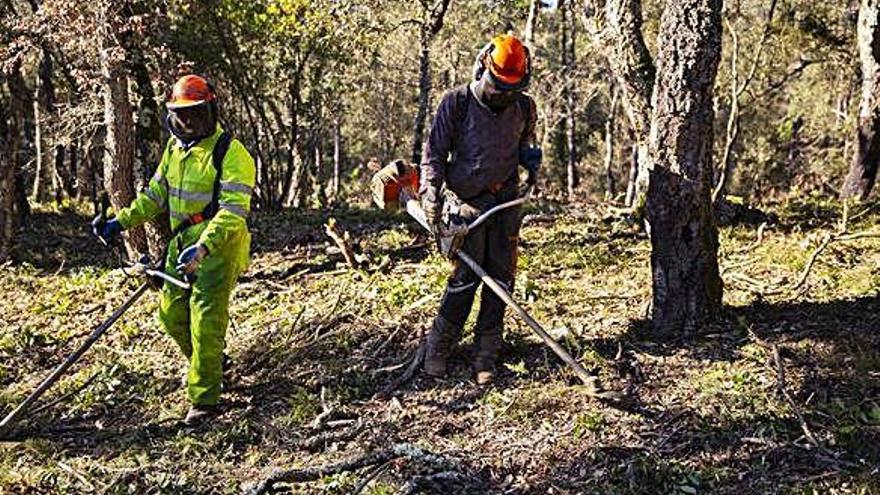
<point>841,235</point>
<point>343,241</point>
<point>317,442</point>
<point>414,365</point>
<point>370,477</point>
<point>759,238</point>
<point>435,483</point>
<point>407,450</point>
<point>76,474</point>
<point>812,261</point>
<point>326,411</point>
<point>779,368</point>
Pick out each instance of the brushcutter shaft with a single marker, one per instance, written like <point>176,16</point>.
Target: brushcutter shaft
<point>73,358</point>
<point>560,351</point>
<point>415,210</point>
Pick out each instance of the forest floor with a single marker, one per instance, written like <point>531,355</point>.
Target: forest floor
<point>781,395</point>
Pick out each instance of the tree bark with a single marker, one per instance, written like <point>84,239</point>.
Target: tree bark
<point>20,101</point>
<point>430,27</point>
<point>149,147</point>
<point>531,22</point>
<point>568,47</point>
<point>72,184</point>
<point>687,287</point>
<point>634,72</point>
<point>609,146</point>
<point>44,106</point>
<point>863,171</point>
<point>119,142</point>
<point>633,174</point>
<point>337,158</point>
<point>293,112</point>
<point>424,89</point>
<point>10,140</point>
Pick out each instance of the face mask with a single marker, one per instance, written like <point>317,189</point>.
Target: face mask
<point>192,123</point>
<point>492,97</point>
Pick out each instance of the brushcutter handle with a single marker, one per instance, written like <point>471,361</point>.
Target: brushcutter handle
<point>503,206</point>
<point>146,267</point>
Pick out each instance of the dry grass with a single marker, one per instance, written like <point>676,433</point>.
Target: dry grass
<point>702,415</point>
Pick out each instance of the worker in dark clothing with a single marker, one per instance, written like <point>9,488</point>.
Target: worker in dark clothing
<point>481,133</point>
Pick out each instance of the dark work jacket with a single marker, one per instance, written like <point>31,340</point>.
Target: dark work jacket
<point>478,152</point>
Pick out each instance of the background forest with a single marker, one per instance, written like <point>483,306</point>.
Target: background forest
<point>779,392</point>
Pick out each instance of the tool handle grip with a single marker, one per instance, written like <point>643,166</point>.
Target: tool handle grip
<point>503,206</point>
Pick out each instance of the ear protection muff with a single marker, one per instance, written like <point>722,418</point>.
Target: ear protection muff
<point>479,63</point>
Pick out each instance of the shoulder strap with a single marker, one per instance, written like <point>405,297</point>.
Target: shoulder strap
<point>217,156</point>
<point>525,106</point>
<point>462,101</point>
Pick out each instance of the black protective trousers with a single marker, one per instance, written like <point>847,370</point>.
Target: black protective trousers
<point>493,245</point>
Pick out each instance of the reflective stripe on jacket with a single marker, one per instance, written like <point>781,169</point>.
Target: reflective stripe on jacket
<point>184,183</point>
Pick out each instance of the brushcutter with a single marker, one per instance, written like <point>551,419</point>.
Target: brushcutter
<point>142,268</point>
<point>396,185</point>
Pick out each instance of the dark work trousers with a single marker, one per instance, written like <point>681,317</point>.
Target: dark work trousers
<point>492,245</point>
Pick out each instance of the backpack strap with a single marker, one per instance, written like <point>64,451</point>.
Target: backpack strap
<point>525,106</point>
<point>221,147</point>
<point>218,154</point>
<point>462,102</point>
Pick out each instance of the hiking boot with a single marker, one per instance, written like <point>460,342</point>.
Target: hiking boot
<point>441,338</point>
<point>199,413</point>
<point>488,345</point>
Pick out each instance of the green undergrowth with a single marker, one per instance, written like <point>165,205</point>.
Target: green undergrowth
<point>702,414</point>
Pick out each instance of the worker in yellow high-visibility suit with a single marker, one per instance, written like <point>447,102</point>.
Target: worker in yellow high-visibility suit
<point>211,240</point>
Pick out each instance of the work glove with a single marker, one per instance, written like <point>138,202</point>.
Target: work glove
<point>189,259</point>
<point>530,158</point>
<point>433,210</point>
<point>106,230</point>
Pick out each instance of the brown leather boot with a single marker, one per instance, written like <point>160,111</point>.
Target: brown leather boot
<point>488,345</point>
<point>441,338</point>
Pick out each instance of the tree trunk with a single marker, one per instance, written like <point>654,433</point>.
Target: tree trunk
<point>337,158</point>
<point>44,106</point>
<point>736,92</point>
<point>687,287</point>
<point>863,171</point>
<point>58,174</point>
<point>39,188</point>
<point>609,146</point>
<point>634,72</point>
<point>293,114</point>
<point>119,143</point>
<point>633,174</point>
<point>73,185</point>
<point>149,147</point>
<point>531,21</point>
<point>431,26</point>
<point>10,139</point>
<point>20,101</point>
<point>424,89</point>
<point>568,47</point>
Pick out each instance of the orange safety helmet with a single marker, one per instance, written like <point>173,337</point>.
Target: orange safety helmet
<point>509,62</point>
<point>189,91</point>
